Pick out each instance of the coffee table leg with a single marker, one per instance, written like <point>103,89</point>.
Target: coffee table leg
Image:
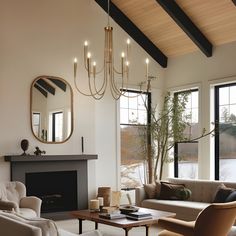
<point>96,225</point>
<point>147,230</point>
<point>80,226</point>
<point>127,231</point>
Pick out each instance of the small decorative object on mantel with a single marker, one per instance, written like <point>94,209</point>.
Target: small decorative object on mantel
<point>24,146</point>
<point>38,152</point>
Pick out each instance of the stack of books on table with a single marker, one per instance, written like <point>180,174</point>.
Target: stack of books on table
<point>112,216</point>
<point>138,215</point>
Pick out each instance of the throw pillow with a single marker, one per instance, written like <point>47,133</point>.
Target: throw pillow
<point>168,190</point>
<point>183,194</point>
<point>150,190</point>
<point>231,197</point>
<point>222,193</point>
<point>153,190</point>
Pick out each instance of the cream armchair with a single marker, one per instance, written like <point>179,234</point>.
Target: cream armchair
<point>13,224</point>
<point>216,219</point>
<point>13,197</point>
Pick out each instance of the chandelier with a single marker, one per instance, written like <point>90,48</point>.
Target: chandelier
<point>116,79</point>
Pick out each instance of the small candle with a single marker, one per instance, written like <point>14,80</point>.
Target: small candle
<point>94,204</point>
<point>101,203</point>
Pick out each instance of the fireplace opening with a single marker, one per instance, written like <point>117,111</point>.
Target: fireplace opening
<point>57,190</point>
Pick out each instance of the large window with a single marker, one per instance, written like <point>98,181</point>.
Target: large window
<point>56,126</point>
<point>186,153</point>
<point>225,139</point>
<point>36,123</point>
<point>134,116</point>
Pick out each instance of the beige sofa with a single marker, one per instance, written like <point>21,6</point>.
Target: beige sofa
<point>203,193</point>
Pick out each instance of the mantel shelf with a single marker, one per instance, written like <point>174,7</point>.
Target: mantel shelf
<point>43,158</point>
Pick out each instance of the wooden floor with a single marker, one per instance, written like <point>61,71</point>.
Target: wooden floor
<point>73,226</point>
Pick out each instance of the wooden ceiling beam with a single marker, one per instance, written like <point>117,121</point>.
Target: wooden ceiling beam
<point>127,25</point>
<point>41,90</point>
<point>46,86</point>
<point>59,83</point>
<point>185,23</point>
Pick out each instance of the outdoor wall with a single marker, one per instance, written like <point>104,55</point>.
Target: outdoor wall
<point>42,38</point>
<point>196,70</point>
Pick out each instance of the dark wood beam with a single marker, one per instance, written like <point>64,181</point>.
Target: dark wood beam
<point>45,94</point>
<point>127,25</point>
<point>59,83</point>
<point>185,23</point>
<point>234,1</point>
<point>46,86</point>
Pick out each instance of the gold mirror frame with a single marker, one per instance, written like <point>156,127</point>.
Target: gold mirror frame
<point>51,78</point>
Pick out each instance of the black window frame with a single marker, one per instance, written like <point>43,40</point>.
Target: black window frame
<point>176,158</point>
<point>149,118</point>
<point>216,120</point>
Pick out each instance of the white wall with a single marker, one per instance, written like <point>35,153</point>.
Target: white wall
<point>42,38</point>
<point>197,70</point>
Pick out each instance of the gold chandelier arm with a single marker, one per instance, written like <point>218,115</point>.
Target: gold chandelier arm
<point>97,95</point>
<point>77,88</point>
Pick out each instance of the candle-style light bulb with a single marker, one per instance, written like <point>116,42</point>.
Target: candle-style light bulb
<point>122,63</point>
<point>94,68</point>
<point>85,53</point>
<point>75,67</point>
<point>147,62</point>
<point>127,48</point>
<point>88,63</point>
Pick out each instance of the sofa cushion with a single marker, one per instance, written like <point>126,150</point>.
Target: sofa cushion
<point>222,193</point>
<point>202,190</point>
<point>170,190</point>
<point>185,210</point>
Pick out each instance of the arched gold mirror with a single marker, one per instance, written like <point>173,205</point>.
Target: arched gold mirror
<point>51,109</point>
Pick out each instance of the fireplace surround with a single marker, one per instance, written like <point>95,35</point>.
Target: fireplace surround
<point>26,168</point>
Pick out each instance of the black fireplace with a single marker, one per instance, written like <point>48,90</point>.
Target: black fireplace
<point>57,189</point>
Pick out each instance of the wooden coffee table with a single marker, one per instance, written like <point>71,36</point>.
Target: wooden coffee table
<point>123,223</point>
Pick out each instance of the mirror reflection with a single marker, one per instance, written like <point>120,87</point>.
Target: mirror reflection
<point>51,109</point>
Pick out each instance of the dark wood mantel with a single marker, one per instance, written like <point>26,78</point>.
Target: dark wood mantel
<point>43,158</point>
